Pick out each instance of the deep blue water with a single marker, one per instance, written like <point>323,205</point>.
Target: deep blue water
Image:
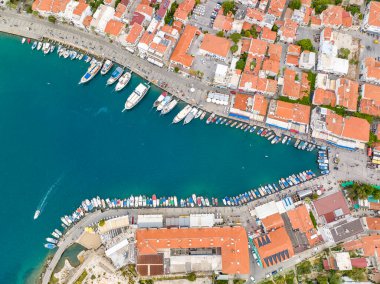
<point>53,129</point>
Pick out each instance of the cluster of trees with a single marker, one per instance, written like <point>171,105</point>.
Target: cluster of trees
<point>320,5</point>
<point>343,53</point>
<point>362,191</point>
<point>95,4</point>
<point>295,4</point>
<point>228,6</point>
<point>240,64</point>
<point>250,33</point>
<point>235,37</point>
<point>305,44</point>
<point>170,14</point>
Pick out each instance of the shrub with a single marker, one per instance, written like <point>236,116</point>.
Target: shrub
<point>228,6</point>
<point>52,19</point>
<point>295,4</point>
<point>305,44</point>
<point>234,48</point>
<point>191,276</point>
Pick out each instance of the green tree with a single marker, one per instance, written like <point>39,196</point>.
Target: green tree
<point>28,8</point>
<point>220,34</point>
<point>247,33</point>
<point>305,44</point>
<point>52,19</point>
<point>176,69</point>
<point>253,32</point>
<point>235,37</point>
<point>357,274</point>
<point>240,64</point>
<point>234,48</point>
<point>304,268</point>
<point>322,279</point>
<point>334,278</point>
<point>320,5</point>
<point>191,276</point>
<point>343,53</point>
<point>102,223</point>
<point>274,28</point>
<point>228,6</point>
<point>295,4</point>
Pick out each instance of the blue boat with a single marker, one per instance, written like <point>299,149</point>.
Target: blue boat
<point>50,246</point>
<point>325,172</point>
<point>252,129</point>
<point>116,74</point>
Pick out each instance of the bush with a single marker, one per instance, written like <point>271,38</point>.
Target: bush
<point>322,279</point>
<point>305,44</point>
<point>274,28</point>
<point>312,218</point>
<point>235,37</point>
<point>304,268</point>
<point>170,14</point>
<point>289,277</point>
<point>176,69</point>
<point>102,223</point>
<point>234,48</point>
<point>228,6</point>
<point>343,53</point>
<point>320,5</point>
<point>28,9</point>
<point>220,34</point>
<point>191,276</point>
<point>295,4</point>
<point>52,19</point>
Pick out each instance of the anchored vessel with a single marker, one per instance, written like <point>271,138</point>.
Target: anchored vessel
<point>136,96</point>
<point>115,75</point>
<point>106,67</point>
<point>123,81</point>
<point>91,72</point>
<point>182,114</point>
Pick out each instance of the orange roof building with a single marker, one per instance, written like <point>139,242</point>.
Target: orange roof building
<point>180,56</point>
<point>183,10</point>
<point>370,101</point>
<point>372,223</point>
<point>300,221</point>
<point>232,242</point>
<point>371,70</point>
<point>295,89</point>
<point>114,28</point>
<point>346,132</point>
<point>324,97</point>
<point>145,10</point>
<point>268,35</point>
<point>288,31</point>
<point>249,107</point>
<point>120,11</point>
<point>252,83</point>
<point>371,21</point>
<point>223,23</point>
<point>274,247</point>
<point>347,93</point>
<point>336,17</point>
<point>276,7</point>
<point>258,47</point>
<point>50,7</point>
<point>369,245</point>
<point>254,16</point>
<point>289,116</point>
<point>272,222</point>
<point>134,35</point>
<point>214,46</point>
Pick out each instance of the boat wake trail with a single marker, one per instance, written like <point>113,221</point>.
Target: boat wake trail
<point>43,201</point>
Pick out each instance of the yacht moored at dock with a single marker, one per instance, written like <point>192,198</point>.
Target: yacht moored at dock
<point>106,67</point>
<point>167,108</point>
<point>115,75</point>
<point>91,72</point>
<point>136,96</point>
<point>123,81</point>
<point>160,98</point>
<point>182,114</point>
<point>190,116</point>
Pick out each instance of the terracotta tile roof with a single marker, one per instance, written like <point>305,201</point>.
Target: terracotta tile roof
<point>114,27</point>
<point>258,47</point>
<point>289,29</point>
<point>255,14</point>
<point>294,49</point>
<point>268,35</point>
<point>369,245</point>
<point>324,97</point>
<point>370,102</point>
<point>87,21</point>
<point>276,7</point>
<point>260,104</point>
<point>372,67</point>
<point>292,60</point>
<point>54,6</point>
<point>272,222</point>
<point>285,111</point>
<point>177,25</point>
<point>255,83</point>
<point>291,88</point>
<point>336,16</point>
<point>59,6</point>
<point>180,54</point>
<point>241,101</point>
<point>248,68</point>
<point>134,33</point>
<point>137,18</point>
<point>300,220</point>
<point>246,26</point>
<point>347,93</point>
<point>306,3</point>
<point>374,14</point>
<point>373,223</point>
<point>245,44</point>
<point>147,38</point>
<point>144,10</point>
<point>347,127</point>
<point>80,8</point>
<point>184,9</point>
<point>276,243</point>
<point>216,45</point>
<point>316,21</point>
<point>275,51</point>
<point>271,65</point>
<point>120,10</point>
<point>232,241</point>
<point>223,22</point>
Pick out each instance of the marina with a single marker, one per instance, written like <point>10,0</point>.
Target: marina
<point>80,130</point>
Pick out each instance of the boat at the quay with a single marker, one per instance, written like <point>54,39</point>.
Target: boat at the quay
<point>91,72</point>
<point>137,95</point>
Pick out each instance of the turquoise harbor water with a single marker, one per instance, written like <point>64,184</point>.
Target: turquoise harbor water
<point>74,140</point>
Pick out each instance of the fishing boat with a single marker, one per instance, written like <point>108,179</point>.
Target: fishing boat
<point>189,117</point>
<point>106,67</point>
<point>55,235</point>
<point>284,139</point>
<point>58,232</point>
<point>73,55</point>
<point>182,114</point>
<point>210,118</point>
<point>164,102</point>
<point>66,53</point>
<point>50,246</point>
<point>39,45</point>
<point>123,81</point>
<point>167,108</point>
<point>203,115</point>
<point>160,99</point>
<point>233,124</point>
<point>34,45</point>
<point>289,140</point>
<point>46,48</point>
<point>23,40</point>
<point>91,72</point>
<point>36,214</point>
<point>239,125</point>
<point>52,48</point>
<point>115,75</point>
<point>137,95</point>
<point>51,240</point>
<point>252,129</point>
<point>29,40</point>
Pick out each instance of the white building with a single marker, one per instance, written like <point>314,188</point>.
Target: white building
<point>150,221</point>
<point>307,60</point>
<point>101,17</point>
<point>221,73</point>
<point>371,21</point>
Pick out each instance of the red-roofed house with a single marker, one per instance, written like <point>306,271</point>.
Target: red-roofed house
<point>146,11</point>
<point>253,83</point>
<point>336,17</point>
<point>50,7</point>
<point>293,54</point>
<point>268,35</point>
<point>183,11</point>
<point>331,207</point>
<point>114,28</point>
<point>216,47</point>
<point>345,132</point>
<point>295,89</point>
<point>131,40</point>
<point>288,31</point>
<point>370,101</point>
<point>223,23</point>
<point>371,21</point>
<point>289,116</point>
<point>249,107</point>
<point>371,70</point>
<point>276,7</point>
